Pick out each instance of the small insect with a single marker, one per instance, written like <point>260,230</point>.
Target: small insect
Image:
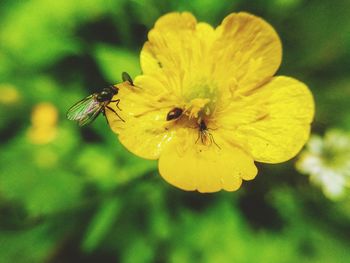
<point>88,109</point>
<point>126,77</point>
<point>204,135</point>
<point>174,114</point>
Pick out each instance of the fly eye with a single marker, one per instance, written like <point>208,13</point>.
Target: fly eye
<point>114,89</point>
<point>174,114</point>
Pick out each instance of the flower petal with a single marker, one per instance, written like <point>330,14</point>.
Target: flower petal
<point>144,108</point>
<point>147,94</point>
<point>176,47</point>
<point>147,135</point>
<point>247,51</point>
<point>272,123</point>
<point>205,168</point>
<point>166,41</point>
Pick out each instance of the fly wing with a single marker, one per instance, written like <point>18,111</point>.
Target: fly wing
<point>85,111</point>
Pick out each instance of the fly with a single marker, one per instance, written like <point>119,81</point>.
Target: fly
<point>87,110</point>
<point>204,135</point>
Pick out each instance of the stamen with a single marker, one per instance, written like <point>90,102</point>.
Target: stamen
<point>195,107</point>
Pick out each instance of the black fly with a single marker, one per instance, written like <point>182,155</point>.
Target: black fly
<point>88,109</point>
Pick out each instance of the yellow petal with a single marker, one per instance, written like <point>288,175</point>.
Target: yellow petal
<point>148,134</point>
<point>247,51</point>
<point>128,96</point>
<point>144,108</point>
<point>176,21</point>
<point>177,46</point>
<point>206,34</point>
<point>272,123</point>
<point>206,168</point>
<point>148,94</point>
<point>164,47</point>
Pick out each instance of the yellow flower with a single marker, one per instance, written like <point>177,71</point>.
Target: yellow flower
<point>231,109</point>
<point>9,94</point>
<point>44,123</point>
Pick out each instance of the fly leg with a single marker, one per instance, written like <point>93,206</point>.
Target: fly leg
<point>115,113</point>
<point>199,136</point>
<point>103,110</point>
<point>117,103</point>
<point>212,139</point>
<point>203,136</point>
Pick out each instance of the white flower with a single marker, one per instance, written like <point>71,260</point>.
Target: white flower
<point>327,161</point>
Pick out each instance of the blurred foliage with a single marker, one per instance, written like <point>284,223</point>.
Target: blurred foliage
<point>78,195</point>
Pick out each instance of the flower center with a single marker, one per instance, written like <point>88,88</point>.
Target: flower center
<point>200,100</point>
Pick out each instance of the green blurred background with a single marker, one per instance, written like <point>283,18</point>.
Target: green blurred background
<point>71,194</point>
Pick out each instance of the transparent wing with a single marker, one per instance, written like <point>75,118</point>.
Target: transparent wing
<point>85,111</point>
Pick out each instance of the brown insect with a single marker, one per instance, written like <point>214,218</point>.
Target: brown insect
<point>174,114</point>
<point>204,135</point>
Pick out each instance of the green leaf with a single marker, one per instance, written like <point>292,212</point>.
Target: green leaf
<point>39,181</point>
<point>29,245</point>
<point>100,224</point>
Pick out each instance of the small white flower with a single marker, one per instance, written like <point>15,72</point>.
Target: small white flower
<point>327,161</point>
